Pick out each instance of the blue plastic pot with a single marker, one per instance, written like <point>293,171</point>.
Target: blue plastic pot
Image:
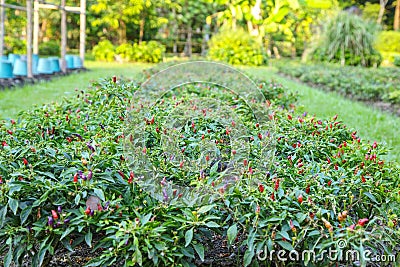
<point>35,61</point>
<point>44,66</point>
<point>70,61</point>
<point>20,67</point>
<point>4,58</point>
<point>77,62</point>
<point>13,57</point>
<point>23,57</point>
<point>55,64</point>
<point>6,69</point>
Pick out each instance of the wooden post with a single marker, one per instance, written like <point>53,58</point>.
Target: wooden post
<point>82,32</point>
<point>2,20</point>
<point>29,13</point>
<point>63,36</point>
<point>36,27</point>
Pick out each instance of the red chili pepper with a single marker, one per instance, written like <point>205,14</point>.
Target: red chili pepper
<point>87,211</point>
<point>114,79</point>
<point>260,188</point>
<point>122,174</point>
<point>277,184</point>
<point>245,162</point>
<point>300,199</point>
<point>273,196</point>
<point>363,179</point>
<point>54,214</point>
<point>330,183</point>
<point>9,132</point>
<point>289,116</point>
<point>76,178</point>
<point>308,189</point>
<point>25,161</point>
<point>260,136</point>
<point>258,209</point>
<point>181,165</point>
<point>362,222</point>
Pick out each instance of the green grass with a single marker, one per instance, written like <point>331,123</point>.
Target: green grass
<point>371,124</point>
<point>12,101</point>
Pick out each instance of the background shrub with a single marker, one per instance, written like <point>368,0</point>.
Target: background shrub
<point>397,61</point>
<point>151,52</point>
<point>349,39</point>
<point>388,41</point>
<point>104,51</point>
<point>125,52</point>
<point>236,48</point>
<point>14,45</point>
<point>50,48</point>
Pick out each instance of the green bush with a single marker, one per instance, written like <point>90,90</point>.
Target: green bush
<point>14,45</point>
<point>151,52</point>
<point>104,51</point>
<point>349,39</point>
<point>236,48</point>
<point>50,48</point>
<point>125,52</point>
<point>388,41</point>
<point>397,61</point>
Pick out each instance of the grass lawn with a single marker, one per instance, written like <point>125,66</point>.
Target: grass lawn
<point>371,124</point>
<point>15,100</point>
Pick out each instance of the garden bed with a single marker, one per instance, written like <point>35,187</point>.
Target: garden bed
<point>323,185</point>
<point>377,87</point>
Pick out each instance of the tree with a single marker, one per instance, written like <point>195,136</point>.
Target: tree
<point>396,23</point>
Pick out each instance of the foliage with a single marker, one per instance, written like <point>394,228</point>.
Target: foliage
<point>348,39</point>
<point>50,48</point>
<point>393,97</point>
<point>356,82</point>
<point>125,52</point>
<point>147,52</point>
<point>397,61</point>
<point>236,48</point>
<point>104,51</point>
<point>56,156</point>
<point>151,52</point>
<point>14,45</point>
<point>388,41</point>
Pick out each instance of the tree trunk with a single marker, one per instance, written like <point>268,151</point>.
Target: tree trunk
<point>141,31</point>
<point>122,32</point>
<point>396,24</point>
<point>189,41</point>
<point>383,4</point>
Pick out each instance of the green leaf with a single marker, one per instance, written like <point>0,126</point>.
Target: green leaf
<point>200,250</point>
<point>67,232</point>
<point>188,237</point>
<point>77,199</point>
<point>8,258</point>
<point>212,224</point>
<point>205,209</point>
<point>248,257</point>
<point>88,238</point>
<point>145,219</point>
<point>371,197</point>
<point>98,192</point>
<point>285,245</point>
<point>25,214</point>
<point>137,257</point>
<point>232,233</point>
<point>13,204</point>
